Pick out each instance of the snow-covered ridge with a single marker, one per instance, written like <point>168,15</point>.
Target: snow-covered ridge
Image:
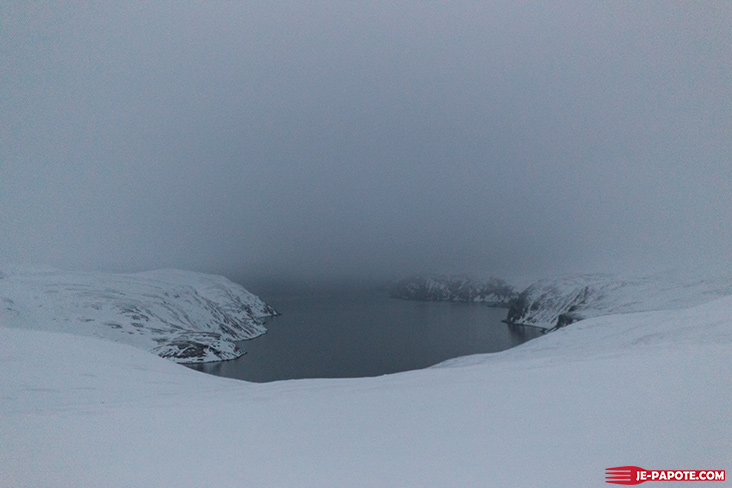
<point>181,315</point>
<point>493,291</point>
<point>556,302</point>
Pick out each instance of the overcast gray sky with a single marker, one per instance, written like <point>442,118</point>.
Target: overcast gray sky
<point>366,139</point>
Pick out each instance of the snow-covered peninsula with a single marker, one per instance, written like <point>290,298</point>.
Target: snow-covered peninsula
<point>185,316</point>
<point>555,302</point>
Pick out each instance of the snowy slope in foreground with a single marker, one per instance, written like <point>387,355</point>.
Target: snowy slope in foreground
<point>649,389</point>
<point>556,302</point>
<point>182,315</point>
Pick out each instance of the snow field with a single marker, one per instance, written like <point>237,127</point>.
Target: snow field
<point>650,389</point>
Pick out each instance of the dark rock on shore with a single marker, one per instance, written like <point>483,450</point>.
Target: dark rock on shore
<point>493,292</point>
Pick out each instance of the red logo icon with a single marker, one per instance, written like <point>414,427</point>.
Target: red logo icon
<point>633,475</point>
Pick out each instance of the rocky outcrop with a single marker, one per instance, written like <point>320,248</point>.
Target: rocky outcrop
<point>565,319</point>
<point>542,304</point>
<point>493,292</point>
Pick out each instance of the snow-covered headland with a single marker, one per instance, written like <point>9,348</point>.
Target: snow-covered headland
<point>556,302</point>
<point>648,389</point>
<point>181,315</point>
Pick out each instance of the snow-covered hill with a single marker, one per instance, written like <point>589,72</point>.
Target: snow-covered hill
<point>493,291</point>
<point>556,302</point>
<point>649,389</point>
<point>182,315</point>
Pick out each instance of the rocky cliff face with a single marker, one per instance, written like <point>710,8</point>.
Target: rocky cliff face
<point>493,292</point>
<point>181,315</point>
<point>542,304</point>
<point>557,302</point>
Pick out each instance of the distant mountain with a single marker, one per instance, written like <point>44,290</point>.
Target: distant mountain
<point>185,316</point>
<point>556,302</point>
<point>494,292</point>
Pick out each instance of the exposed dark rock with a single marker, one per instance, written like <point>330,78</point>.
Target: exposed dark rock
<point>566,319</point>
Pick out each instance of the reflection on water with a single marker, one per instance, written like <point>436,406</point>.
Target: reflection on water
<point>339,335</point>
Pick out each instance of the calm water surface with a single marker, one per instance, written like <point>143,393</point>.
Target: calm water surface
<point>341,335</point>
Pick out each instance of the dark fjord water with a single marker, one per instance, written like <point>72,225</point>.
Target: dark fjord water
<point>346,334</point>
